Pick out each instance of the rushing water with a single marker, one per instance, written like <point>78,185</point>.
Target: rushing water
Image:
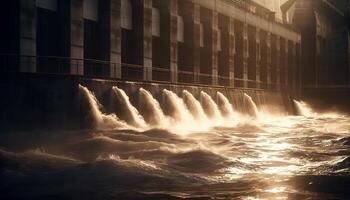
<point>130,112</point>
<point>199,149</point>
<point>194,106</point>
<point>210,106</point>
<point>254,109</point>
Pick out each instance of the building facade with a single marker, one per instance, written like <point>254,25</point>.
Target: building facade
<point>324,28</point>
<point>233,43</point>
<point>274,6</point>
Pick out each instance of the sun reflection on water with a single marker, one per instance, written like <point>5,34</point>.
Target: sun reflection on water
<point>286,147</point>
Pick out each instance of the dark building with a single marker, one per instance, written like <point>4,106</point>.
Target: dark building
<point>325,40</point>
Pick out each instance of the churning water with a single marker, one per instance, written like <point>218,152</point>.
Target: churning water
<point>202,148</point>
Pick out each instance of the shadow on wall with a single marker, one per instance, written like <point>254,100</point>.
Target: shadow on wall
<point>328,99</point>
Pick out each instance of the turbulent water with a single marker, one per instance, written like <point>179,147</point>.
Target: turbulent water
<point>130,112</point>
<point>197,151</point>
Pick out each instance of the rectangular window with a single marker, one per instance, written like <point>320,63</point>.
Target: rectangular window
<point>91,10</point>
<point>47,4</point>
<point>180,29</point>
<point>126,14</point>
<point>155,22</point>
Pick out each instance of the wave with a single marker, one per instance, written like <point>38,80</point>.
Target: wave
<point>343,164</point>
<point>90,149</point>
<point>35,161</point>
<point>197,161</point>
<point>345,141</point>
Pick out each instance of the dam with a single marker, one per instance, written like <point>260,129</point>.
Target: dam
<point>175,99</point>
<point>222,44</point>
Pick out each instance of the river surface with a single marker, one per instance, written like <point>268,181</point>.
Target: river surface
<point>261,157</point>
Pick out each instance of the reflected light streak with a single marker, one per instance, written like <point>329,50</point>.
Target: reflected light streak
<point>276,190</point>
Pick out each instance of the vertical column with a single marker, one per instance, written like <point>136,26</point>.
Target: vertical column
<point>294,66</point>
<point>196,42</point>
<point>299,67</point>
<point>232,51</point>
<point>245,54</point>
<point>173,41</point>
<point>115,38</point>
<point>348,45</point>
<point>278,63</point>
<point>348,61</point>
<point>28,35</point>
<point>286,63</point>
<point>258,58</point>
<point>147,39</point>
<point>76,37</point>
<point>268,60</point>
<point>215,41</point>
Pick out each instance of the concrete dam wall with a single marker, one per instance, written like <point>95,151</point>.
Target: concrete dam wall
<point>223,43</point>
<point>42,102</point>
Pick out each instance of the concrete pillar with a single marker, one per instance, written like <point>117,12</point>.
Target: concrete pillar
<point>269,60</point>
<point>28,18</point>
<point>173,41</point>
<point>286,63</point>
<point>245,54</point>
<point>77,37</point>
<point>115,38</point>
<point>215,41</point>
<point>278,63</point>
<point>348,61</point>
<point>349,49</point>
<point>348,45</point>
<point>299,68</point>
<point>232,51</point>
<point>294,66</point>
<point>196,42</point>
<point>147,39</point>
<point>258,58</point>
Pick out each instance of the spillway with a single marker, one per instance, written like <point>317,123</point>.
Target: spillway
<point>177,107</point>
<point>225,105</point>
<point>210,106</point>
<point>153,113</point>
<point>303,109</point>
<point>175,111</point>
<point>194,106</point>
<point>103,121</point>
<point>130,112</point>
<point>251,105</point>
